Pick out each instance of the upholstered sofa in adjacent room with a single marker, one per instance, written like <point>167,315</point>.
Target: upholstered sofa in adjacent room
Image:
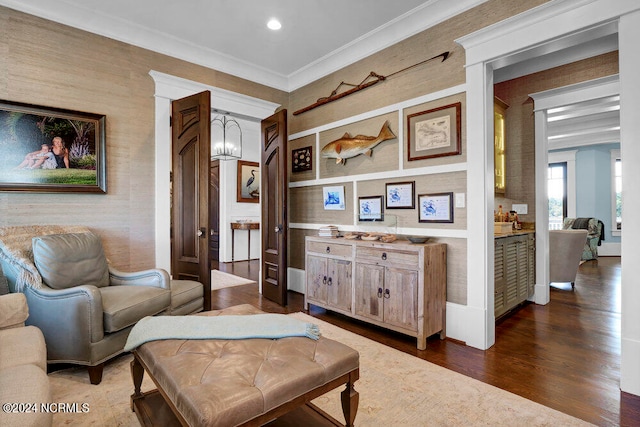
<point>595,235</point>
<point>84,307</point>
<point>23,366</point>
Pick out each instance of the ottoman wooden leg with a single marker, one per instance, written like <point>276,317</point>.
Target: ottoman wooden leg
<point>137,373</point>
<point>350,398</point>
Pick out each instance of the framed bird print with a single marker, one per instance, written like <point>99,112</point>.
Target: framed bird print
<point>248,182</point>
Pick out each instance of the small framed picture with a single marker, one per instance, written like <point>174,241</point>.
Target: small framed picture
<point>370,208</point>
<point>248,182</point>
<point>434,133</point>
<point>302,159</point>
<point>401,195</point>
<point>333,198</point>
<point>435,207</point>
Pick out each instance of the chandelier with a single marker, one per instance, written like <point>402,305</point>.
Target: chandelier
<point>226,137</point>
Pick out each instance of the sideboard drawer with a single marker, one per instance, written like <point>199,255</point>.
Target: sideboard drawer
<point>387,256</point>
<point>329,248</point>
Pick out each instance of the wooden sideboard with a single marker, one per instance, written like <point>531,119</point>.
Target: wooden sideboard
<point>514,268</point>
<point>399,286</point>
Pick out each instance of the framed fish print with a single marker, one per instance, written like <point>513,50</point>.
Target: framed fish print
<point>44,149</point>
<point>434,133</point>
<point>435,207</point>
<point>370,208</point>
<point>401,195</point>
<point>333,198</point>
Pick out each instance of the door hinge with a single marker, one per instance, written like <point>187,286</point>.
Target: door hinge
<point>171,176</point>
<point>170,121</point>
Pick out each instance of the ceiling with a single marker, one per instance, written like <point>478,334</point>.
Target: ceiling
<point>596,121</point>
<point>317,36</point>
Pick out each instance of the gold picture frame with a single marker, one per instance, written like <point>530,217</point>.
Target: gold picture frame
<point>248,184</point>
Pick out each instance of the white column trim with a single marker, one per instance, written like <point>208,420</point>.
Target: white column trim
<point>630,151</point>
<point>480,200</point>
<point>541,295</point>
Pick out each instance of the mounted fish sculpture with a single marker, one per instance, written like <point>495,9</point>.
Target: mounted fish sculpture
<point>348,146</point>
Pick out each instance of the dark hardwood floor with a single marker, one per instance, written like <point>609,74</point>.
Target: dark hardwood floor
<point>565,355</point>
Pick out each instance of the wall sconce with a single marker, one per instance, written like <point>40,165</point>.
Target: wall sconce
<point>226,137</point>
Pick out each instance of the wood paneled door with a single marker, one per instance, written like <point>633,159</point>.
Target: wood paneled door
<point>274,207</point>
<point>191,148</point>
<point>214,211</point>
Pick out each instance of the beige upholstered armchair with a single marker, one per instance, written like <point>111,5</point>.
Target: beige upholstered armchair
<point>565,252</point>
<point>83,306</point>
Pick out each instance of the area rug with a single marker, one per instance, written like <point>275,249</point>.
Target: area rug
<point>396,389</point>
<point>220,280</point>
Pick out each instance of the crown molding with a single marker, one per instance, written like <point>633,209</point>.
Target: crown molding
<point>419,19</point>
<point>411,23</point>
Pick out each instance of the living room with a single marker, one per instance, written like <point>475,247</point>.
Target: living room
<point>60,66</point>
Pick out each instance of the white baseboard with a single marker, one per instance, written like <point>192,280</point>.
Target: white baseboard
<point>457,325</point>
<point>609,249</point>
<point>630,368</point>
<point>296,280</point>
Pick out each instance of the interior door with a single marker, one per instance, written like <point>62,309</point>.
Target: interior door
<point>214,211</point>
<point>191,147</point>
<point>274,207</point>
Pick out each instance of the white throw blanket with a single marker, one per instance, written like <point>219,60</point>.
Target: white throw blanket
<point>231,327</point>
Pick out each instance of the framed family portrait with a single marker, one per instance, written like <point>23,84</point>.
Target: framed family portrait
<point>400,195</point>
<point>248,184</point>
<point>48,149</point>
<point>434,133</point>
<point>435,207</point>
<point>333,198</point>
<point>370,208</point>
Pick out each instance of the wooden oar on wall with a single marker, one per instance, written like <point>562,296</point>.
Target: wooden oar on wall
<point>376,78</point>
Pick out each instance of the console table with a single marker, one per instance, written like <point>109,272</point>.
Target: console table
<point>243,226</point>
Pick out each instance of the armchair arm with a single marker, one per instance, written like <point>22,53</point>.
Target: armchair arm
<point>13,310</point>
<point>155,277</point>
<point>69,318</point>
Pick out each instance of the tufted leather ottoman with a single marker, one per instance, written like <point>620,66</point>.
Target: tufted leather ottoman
<point>244,382</point>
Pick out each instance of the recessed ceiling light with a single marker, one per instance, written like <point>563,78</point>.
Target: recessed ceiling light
<point>274,24</point>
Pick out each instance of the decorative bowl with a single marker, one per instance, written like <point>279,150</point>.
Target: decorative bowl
<point>369,237</point>
<point>417,239</point>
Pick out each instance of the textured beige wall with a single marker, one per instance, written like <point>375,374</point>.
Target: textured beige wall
<point>520,138</point>
<point>421,80</point>
<point>48,64</point>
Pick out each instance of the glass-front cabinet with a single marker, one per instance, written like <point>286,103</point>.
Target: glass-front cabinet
<point>499,145</point>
